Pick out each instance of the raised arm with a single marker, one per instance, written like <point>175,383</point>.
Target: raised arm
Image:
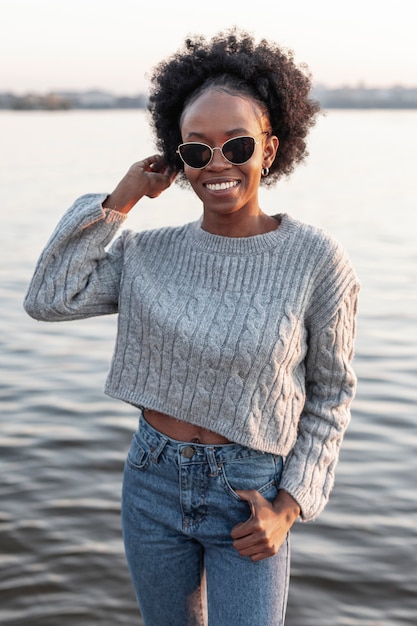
<point>76,276</point>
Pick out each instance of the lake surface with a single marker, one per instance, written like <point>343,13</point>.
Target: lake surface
<point>63,443</point>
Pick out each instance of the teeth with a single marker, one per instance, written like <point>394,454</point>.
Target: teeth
<point>221,186</point>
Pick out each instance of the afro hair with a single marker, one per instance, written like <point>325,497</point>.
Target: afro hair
<point>234,62</point>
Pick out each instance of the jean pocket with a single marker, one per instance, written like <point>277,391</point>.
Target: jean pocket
<point>261,473</point>
<point>138,454</point>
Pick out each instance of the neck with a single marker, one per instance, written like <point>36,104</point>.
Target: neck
<point>226,226</point>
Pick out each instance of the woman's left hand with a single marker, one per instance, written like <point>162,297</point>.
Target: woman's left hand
<point>262,535</point>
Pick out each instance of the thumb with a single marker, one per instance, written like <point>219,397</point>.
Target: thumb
<point>251,496</point>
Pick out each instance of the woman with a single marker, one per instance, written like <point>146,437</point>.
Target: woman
<point>235,337</point>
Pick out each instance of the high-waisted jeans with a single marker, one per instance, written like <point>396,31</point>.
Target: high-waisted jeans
<point>179,506</point>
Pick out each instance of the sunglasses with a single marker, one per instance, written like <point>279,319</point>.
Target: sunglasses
<point>236,151</point>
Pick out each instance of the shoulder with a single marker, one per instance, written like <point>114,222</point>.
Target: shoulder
<point>324,250</point>
<point>321,240</point>
<point>332,277</point>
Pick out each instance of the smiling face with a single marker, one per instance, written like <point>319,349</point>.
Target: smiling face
<point>229,192</point>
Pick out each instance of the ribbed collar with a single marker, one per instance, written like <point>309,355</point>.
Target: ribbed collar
<point>219,244</point>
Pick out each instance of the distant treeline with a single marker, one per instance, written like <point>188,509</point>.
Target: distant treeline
<point>360,97</point>
<point>366,97</point>
<point>62,101</point>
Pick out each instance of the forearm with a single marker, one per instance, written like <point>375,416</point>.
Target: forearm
<point>309,468</point>
<point>74,277</point>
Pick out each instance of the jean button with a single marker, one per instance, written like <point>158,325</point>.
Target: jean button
<point>188,452</point>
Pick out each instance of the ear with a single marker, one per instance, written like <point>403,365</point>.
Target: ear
<point>270,150</point>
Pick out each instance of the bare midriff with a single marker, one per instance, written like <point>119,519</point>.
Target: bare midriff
<point>182,431</point>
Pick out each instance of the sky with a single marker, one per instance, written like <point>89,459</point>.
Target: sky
<point>48,45</point>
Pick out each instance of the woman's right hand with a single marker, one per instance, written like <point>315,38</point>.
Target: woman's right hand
<point>149,177</point>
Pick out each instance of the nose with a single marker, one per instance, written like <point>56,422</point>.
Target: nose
<point>218,161</point>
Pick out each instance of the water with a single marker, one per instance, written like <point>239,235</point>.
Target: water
<point>63,443</point>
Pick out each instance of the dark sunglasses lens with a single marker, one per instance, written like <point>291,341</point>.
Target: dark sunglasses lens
<point>195,154</point>
<point>239,150</point>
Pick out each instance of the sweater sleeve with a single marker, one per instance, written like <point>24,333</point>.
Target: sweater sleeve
<point>75,276</point>
<point>330,388</point>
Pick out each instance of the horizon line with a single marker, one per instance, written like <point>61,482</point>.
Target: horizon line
<point>361,85</point>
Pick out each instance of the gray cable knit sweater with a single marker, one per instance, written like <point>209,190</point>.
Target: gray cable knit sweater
<point>250,337</point>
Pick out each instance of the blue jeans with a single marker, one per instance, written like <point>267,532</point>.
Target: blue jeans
<point>179,506</point>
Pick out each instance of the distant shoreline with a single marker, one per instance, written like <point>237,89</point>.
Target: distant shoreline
<point>360,97</point>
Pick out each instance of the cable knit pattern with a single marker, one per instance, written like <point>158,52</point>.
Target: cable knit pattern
<point>251,337</point>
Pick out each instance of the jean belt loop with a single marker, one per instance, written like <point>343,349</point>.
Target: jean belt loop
<point>211,458</point>
<point>161,445</point>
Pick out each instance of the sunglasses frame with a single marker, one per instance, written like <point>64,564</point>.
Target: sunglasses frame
<point>200,143</point>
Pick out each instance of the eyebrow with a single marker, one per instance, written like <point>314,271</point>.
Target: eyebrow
<point>228,133</point>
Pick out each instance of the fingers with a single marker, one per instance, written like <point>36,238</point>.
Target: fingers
<point>248,532</point>
<point>165,175</point>
<point>157,164</point>
<point>261,535</point>
<point>152,175</point>
<point>153,164</point>
<point>258,544</point>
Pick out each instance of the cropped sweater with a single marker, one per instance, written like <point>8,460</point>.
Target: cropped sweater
<point>251,338</point>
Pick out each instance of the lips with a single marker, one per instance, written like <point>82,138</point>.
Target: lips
<point>223,186</point>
